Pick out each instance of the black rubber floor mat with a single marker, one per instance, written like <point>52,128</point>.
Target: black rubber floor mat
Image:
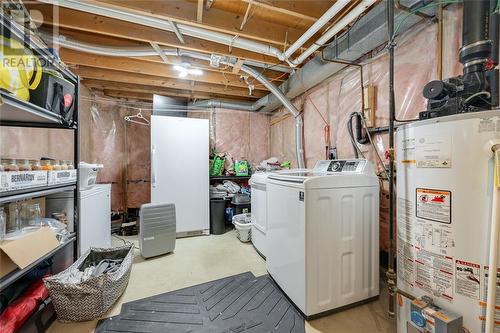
<point>236,304</point>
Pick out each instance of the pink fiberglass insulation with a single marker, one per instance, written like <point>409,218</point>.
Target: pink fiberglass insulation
<point>244,135</point>
<point>34,143</point>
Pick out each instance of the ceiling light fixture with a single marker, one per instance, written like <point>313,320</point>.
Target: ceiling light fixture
<point>185,69</point>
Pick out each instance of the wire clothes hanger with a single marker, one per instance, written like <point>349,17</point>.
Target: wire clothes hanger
<point>138,119</point>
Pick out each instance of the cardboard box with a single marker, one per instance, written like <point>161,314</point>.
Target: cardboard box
<point>22,252</point>
<point>62,177</point>
<point>16,180</point>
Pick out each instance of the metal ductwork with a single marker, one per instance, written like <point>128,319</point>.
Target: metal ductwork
<point>144,52</point>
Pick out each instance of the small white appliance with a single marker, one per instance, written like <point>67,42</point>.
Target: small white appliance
<point>94,225</point>
<point>323,235</point>
<point>446,203</point>
<point>87,174</point>
<point>259,208</point>
<point>157,229</point>
<point>180,171</point>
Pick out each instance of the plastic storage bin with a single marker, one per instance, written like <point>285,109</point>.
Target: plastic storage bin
<point>88,174</point>
<point>243,225</point>
<point>241,204</point>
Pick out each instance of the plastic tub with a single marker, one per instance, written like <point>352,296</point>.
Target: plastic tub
<point>243,225</point>
<point>88,174</point>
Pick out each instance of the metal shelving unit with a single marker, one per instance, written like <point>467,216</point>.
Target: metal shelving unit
<point>29,193</point>
<point>19,113</point>
<point>13,276</point>
<point>232,178</point>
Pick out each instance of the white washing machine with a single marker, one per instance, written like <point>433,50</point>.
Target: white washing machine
<point>323,235</point>
<point>259,208</point>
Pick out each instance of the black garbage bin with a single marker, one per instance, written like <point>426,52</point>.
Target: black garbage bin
<point>241,204</point>
<point>217,216</point>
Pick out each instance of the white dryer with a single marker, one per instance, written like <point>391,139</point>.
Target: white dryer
<point>259,207</point>
<point>323,235</point>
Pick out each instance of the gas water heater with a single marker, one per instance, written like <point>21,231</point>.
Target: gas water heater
<point>445,203</point>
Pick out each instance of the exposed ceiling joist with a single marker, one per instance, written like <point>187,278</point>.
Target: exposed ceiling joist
<point>215,20</point>
<point>281,10</point>
<point>152,80</point>
<point>129,87</point>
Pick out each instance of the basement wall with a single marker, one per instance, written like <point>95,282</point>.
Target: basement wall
<point>331,102</point>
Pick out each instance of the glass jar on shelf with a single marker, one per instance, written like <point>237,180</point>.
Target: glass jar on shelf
<point>34,215</point>
<point>3,224</point>
<point>70,164</point>
<point>35,165</point>
<point>24,165</point>
<point>9,164</point>
<point>18,222</point>
<point>46,165</point>
<point>63,164</point>
<point>56,166</point>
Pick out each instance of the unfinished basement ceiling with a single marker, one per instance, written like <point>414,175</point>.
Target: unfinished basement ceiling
<point>275,23</point>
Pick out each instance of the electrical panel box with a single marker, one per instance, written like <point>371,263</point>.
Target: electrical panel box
<point>428,318</point>
<point>369,105</point>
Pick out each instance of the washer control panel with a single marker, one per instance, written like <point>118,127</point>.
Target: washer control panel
<point>339,166</point>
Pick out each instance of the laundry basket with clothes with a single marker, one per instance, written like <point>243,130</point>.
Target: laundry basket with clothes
<point>88,288</point>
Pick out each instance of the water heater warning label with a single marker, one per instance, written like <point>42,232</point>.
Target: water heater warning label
<point>433,205</point>
<point>467,279</point>
<point>434,273</point>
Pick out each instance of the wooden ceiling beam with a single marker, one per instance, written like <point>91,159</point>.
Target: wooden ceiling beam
<point>89,73</point>
<point>128,87</point>
<point>100,25</point>
<point>147,97</point>
<point>281,10</point>
<point>73,58</point>
<point>216,20</point>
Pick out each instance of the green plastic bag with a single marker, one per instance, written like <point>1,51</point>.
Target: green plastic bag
<point>217,166</point>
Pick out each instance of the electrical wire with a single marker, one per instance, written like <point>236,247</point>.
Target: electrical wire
<point>126,242</point>
<point>468,99</point>
<point>413,11</point>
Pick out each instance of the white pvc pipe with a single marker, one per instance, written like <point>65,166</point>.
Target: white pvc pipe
<point>494,238</point>
<point>327,16</point>
<point>351,16</point>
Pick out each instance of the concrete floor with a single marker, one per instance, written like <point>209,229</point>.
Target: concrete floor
<point>201,259</point>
